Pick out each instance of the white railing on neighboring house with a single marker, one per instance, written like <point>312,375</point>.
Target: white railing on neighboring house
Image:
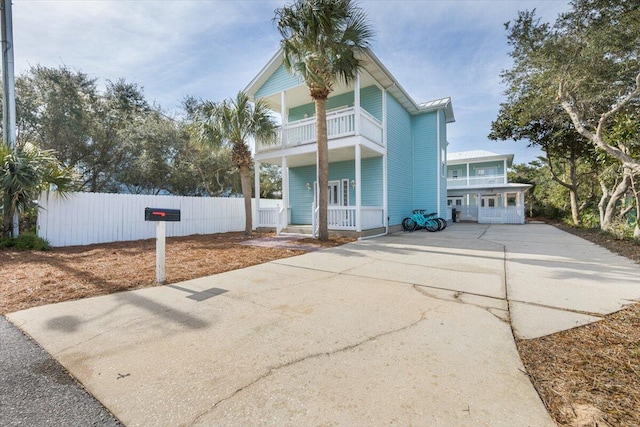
<point>501,215</point>
<point>340,123</point>
<point>466,213</point>
<point>476,181</point>
<point>87,218</point>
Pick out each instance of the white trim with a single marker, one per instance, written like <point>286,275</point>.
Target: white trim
<point>356,104</point>
<point>439,165</point>
<point>285,188</point>
<point>256,183</point>
<point>358,162</point>
<point>385,206</point>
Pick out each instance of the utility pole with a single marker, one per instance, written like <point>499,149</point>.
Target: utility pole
<point>8,88</point>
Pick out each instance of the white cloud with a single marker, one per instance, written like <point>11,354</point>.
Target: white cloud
<point>212,49</point>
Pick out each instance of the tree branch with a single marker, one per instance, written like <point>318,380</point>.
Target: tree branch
<point>597,138</point>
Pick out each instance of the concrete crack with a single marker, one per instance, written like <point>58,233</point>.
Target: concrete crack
<point>457,298</point>
<point>272,369</point>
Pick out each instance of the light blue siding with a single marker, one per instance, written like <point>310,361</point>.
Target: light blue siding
<point>301,199</point>
<point>342,100</point>
<point>371,174</point>
<point>425,162</point>
<point>344,170</point>
<point>443,179</point>
<point>399,162</point>
<point>498,165</point>
<point>370,100</point>
<point>462,170</point>
<point>280,80</point>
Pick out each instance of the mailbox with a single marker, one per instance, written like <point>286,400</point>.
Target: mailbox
<point>160,214</point>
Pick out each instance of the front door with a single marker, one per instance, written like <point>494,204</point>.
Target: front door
<point>333,198</point>
<point>489,201</point>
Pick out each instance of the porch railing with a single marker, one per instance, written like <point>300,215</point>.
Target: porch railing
<point>274,217</point>
<point>476,181</point>
<point>344,218</point>
<point>501,215</point>
<point>340,124</point>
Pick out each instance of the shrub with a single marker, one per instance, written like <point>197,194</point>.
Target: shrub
<point>25,242</point>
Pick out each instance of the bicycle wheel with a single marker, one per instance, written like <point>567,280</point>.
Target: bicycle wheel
<point>408,224</point>
<point>432,225</point>
<point>442,222</point>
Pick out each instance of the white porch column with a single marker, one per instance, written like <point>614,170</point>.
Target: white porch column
<point>256,181</point>
<point>283,117</point>
<point>468,174</point>
<point>385,206</point>
<point>504,175</point>
<point>285,189</point>
<point>358,187</point>
<point>356,103</point>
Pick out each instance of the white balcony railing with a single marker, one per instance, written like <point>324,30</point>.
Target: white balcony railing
<point>501,215</point>
<point>340,123</point>
<point>472,181</point>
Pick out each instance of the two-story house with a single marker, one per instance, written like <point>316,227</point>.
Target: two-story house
<point>387,153</point>
<point>479,190</point>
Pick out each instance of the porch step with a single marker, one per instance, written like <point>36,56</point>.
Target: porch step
<point>298,229</point>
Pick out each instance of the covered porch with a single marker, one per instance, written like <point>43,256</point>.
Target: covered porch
<point>356,192</point>
<point>503,204</point>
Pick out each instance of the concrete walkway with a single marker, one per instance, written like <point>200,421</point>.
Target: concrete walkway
<point>408,329</point>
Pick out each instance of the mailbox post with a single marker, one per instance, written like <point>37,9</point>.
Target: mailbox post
<point>161,216</point>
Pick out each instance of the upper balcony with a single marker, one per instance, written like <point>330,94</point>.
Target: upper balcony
<point>476,181</point>
<point>341,123</point>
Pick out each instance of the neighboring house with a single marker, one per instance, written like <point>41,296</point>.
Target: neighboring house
<point>387,153</point>
<point>478,188</point>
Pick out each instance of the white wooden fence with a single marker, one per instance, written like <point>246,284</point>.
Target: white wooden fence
<point>86,218</point>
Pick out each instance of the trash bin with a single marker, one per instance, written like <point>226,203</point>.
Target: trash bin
<point>453,215</point>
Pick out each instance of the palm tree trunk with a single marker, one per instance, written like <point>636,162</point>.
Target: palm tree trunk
<point>323,168</point>
<point>245,181</point>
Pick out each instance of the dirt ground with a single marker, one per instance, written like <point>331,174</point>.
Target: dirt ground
<point>33,278</point>
<point>587,376</point>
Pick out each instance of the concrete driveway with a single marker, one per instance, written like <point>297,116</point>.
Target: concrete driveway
<point>408,329</point>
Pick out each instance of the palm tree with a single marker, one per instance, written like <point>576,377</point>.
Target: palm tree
<point>24,174</point>
<point>232,122</point>
<point>320,40</point>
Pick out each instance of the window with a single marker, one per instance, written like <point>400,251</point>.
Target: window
<point>345,192</point>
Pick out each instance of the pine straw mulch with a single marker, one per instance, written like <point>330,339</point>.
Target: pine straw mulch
<point>33,278</point>
<point>590,375</point>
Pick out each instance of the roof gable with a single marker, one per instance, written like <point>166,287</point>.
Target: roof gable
<point>274,78</point>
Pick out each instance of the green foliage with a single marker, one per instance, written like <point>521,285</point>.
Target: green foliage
<point>320,40</point>
<point>230,124</point>
<point>24,174</point>
<point>573,90</point>
<point>25,242</point>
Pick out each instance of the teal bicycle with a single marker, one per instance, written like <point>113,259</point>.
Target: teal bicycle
<point>420,220</point>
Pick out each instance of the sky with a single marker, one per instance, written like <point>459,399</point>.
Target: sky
<point>211,49</point>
